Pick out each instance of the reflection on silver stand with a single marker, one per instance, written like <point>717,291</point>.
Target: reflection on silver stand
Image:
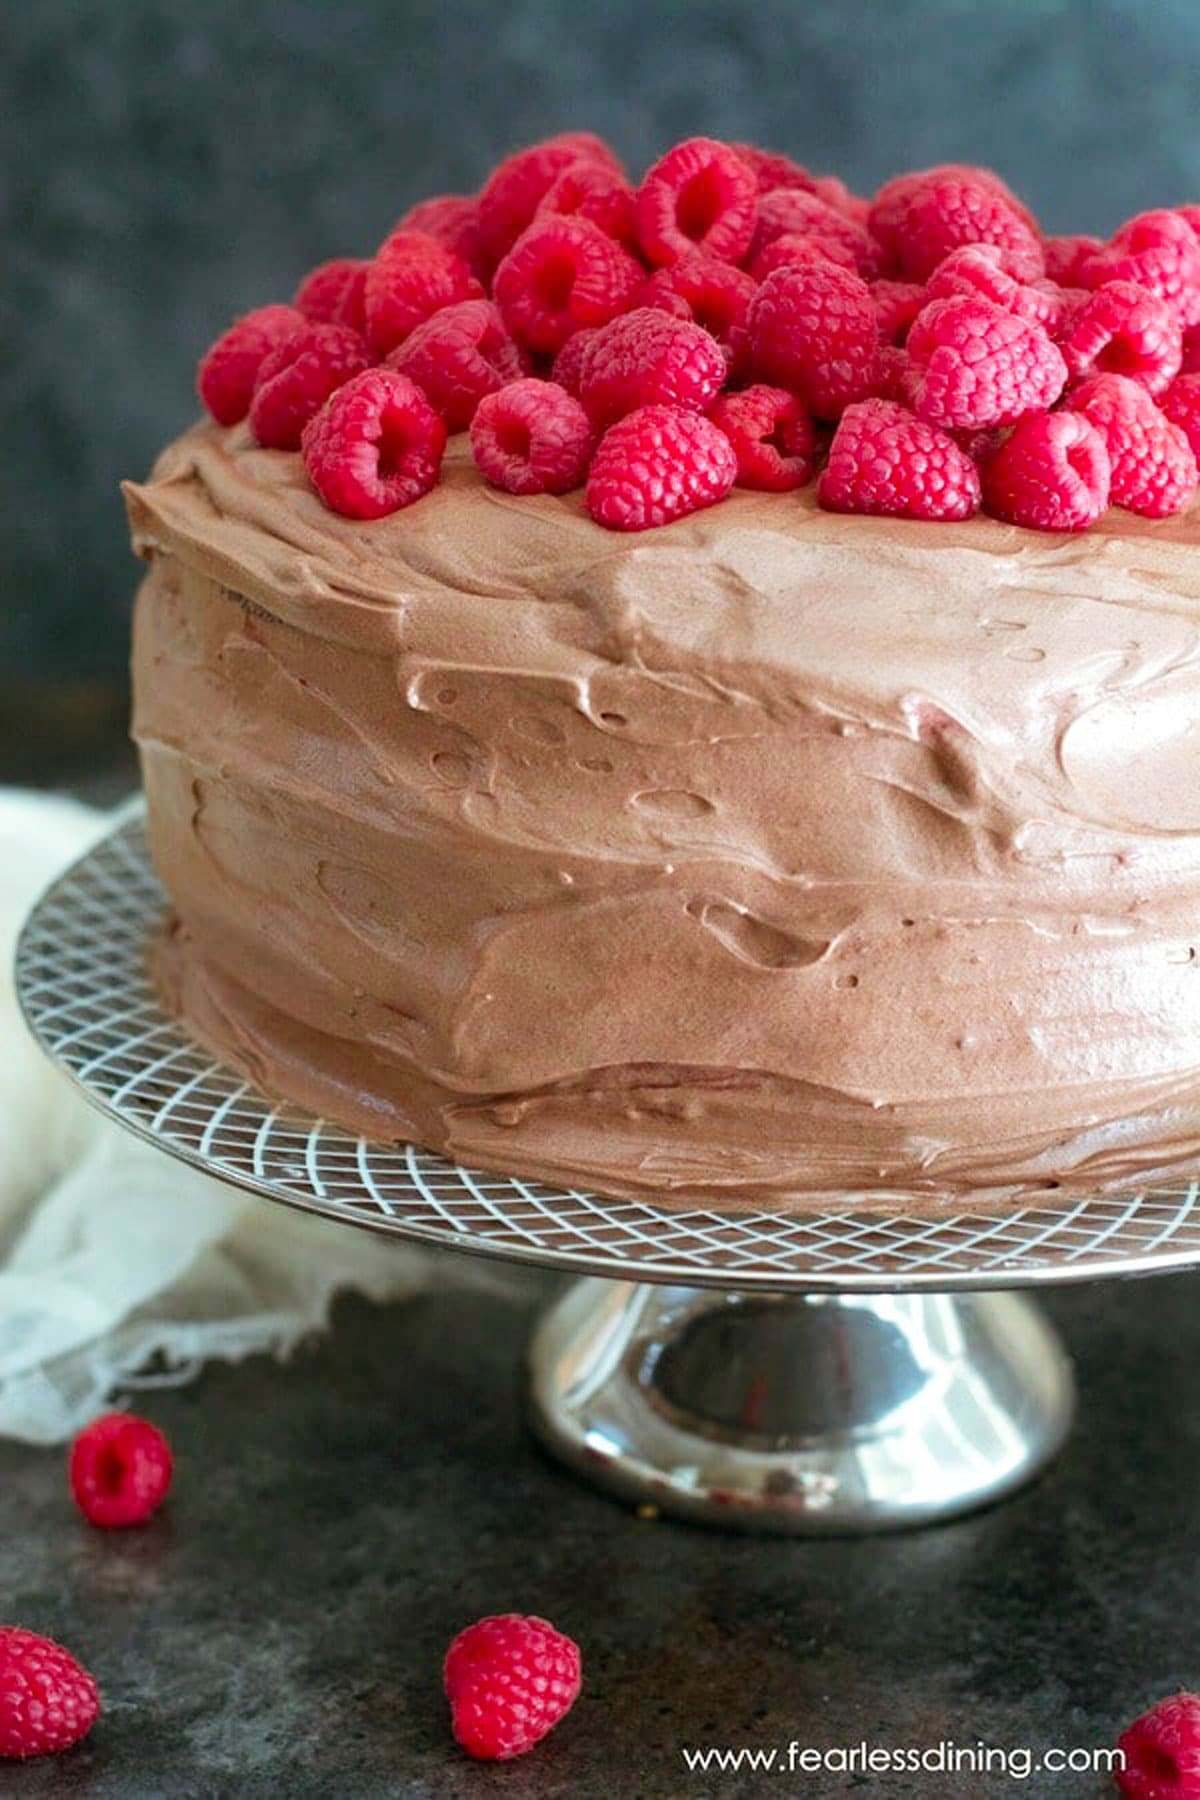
<point>839,1371</point>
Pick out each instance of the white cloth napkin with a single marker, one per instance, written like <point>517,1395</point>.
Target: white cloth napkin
<point>118,1266</point>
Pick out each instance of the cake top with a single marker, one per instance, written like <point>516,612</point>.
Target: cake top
<point>733,321</point>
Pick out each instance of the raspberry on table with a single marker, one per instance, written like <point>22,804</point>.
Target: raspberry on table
<point>591,190</point>
<point>883,460</point>
<point>333,293</point>
<point>376,445</point>
<point>1162,1751</point>
<point>699,196</point>
<point>560,274</point>
<point>1181,404</point>
<point>228,369</point>
<point>567,368</point>
<point>897,304</point>
<point>453,219</point>
<point>647,358</point>
<point>509,1679</point>
<point>1153,464</point>
<point>1160,251</point>
<point>298,376</point>
<point>979,366</point>
<point>1124,329</point>
<point>658,464</point>
<point>712,293</point>
<point>801,214</point>
<point>921,219</point>
<point>532,437</point>
<point>517,186</point>
<point>462,353</point>
<point>1065,257</point>
<point>773,438</point>
<point>48,1702</point>
<point>412,277</point>
<point>1051,473</point>
<point>773,170</point>
<point>120,1470</point>
<point>812,328</point>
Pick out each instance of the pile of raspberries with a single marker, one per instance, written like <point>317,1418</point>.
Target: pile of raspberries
<point>735,320</point>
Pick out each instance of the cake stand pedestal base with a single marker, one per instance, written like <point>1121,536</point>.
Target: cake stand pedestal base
<point>813,1415</point>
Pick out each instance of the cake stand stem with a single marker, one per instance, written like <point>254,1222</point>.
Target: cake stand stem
<point>810,1415</point>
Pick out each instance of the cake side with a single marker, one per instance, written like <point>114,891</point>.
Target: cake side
<point>782,855</point>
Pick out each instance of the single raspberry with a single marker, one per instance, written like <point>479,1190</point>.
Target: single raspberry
<point>333,293</point>
<point>1153,465</point>
<point>47,1700</point>
<point>712,293</point>
<point>801,247</point>
<point>120,1470</point>
<point>453,219</point>
<point>1190,361</point>
<point>1124,329</point>
<point>978,366</point>
<point>647,358</point>
<point>885,219</point>
<point>1162,1751</point>
<point>561,274</point>
<point>567,371</point>
<point>1160,251</point>
<point>813,329</point>
<point>882,460</point>
<point>1065,257</point>
<point>897,304</point>
<point>658,464</point>
<point>517,186</point>
<point>935,213</point>
<point>457,357</point>
<point>699,196</point>
<point>298,376</point>
<point>509,1680</point>
<point>772,170</point>
<point>376,445</point>
<point>411,278</point>
<point>978,269</point>
<point>591,190</point>
<point>799,214</point>
<point>1052,473</point>
<point>773,438</point>
<point>1181,404</point>
<point>227,372</point>
<point>532,438</point>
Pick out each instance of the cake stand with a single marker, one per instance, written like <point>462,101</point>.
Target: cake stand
<point>839,1371</point>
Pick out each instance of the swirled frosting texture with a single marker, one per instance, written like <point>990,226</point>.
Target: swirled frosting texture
<point>772,855</point>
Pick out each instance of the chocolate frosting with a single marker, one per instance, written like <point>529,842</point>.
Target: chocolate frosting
<point>770,856</point>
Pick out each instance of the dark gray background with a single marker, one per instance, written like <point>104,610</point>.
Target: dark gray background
<point>167,164</point>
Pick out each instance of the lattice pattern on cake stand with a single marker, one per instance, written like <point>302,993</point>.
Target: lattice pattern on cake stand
<point>82,982</point>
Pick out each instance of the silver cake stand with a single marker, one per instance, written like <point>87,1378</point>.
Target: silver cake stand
<point>837,1372</point>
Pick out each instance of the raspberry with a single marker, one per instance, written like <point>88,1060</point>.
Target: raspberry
<point>589,190</point>
<point>332,293</point>
<point>1160,251</point>
<point>411,278</point>
<point>47,1700</point>
<point>699,196</point>
<point>561,274</point>
<point>1123,329</point>
<point>812,328</point>
<point>532,438</point>
<point>979,366</point>
<point>658,464</point>
<point>568,364</point>
<point>804,215</point>
<point>1153,467</point>
<point>457,357</point>
<point>298,376</point>
<point>453,219</point>
<point>1181,404</point>
<point>1051,473</point>
<point>509,1680</point>
<point>773,438</point>
<point>225,378</point>
<point>376,445</point>
<point>897,304</point>
<point>714,294</point>
<point>801,247</point>
<point>772,170</point>
<point>517,186</point>
<point>120,1470</point>
<point>1065,257</point>
<point>978,269</point>
<point>647,358</point>
<point>1162,1751</point>
<point>921,218</point>
<point>882,460</point>
<point>896,376</point>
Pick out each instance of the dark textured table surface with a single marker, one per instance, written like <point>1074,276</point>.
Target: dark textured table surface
<point>278,1630</point>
